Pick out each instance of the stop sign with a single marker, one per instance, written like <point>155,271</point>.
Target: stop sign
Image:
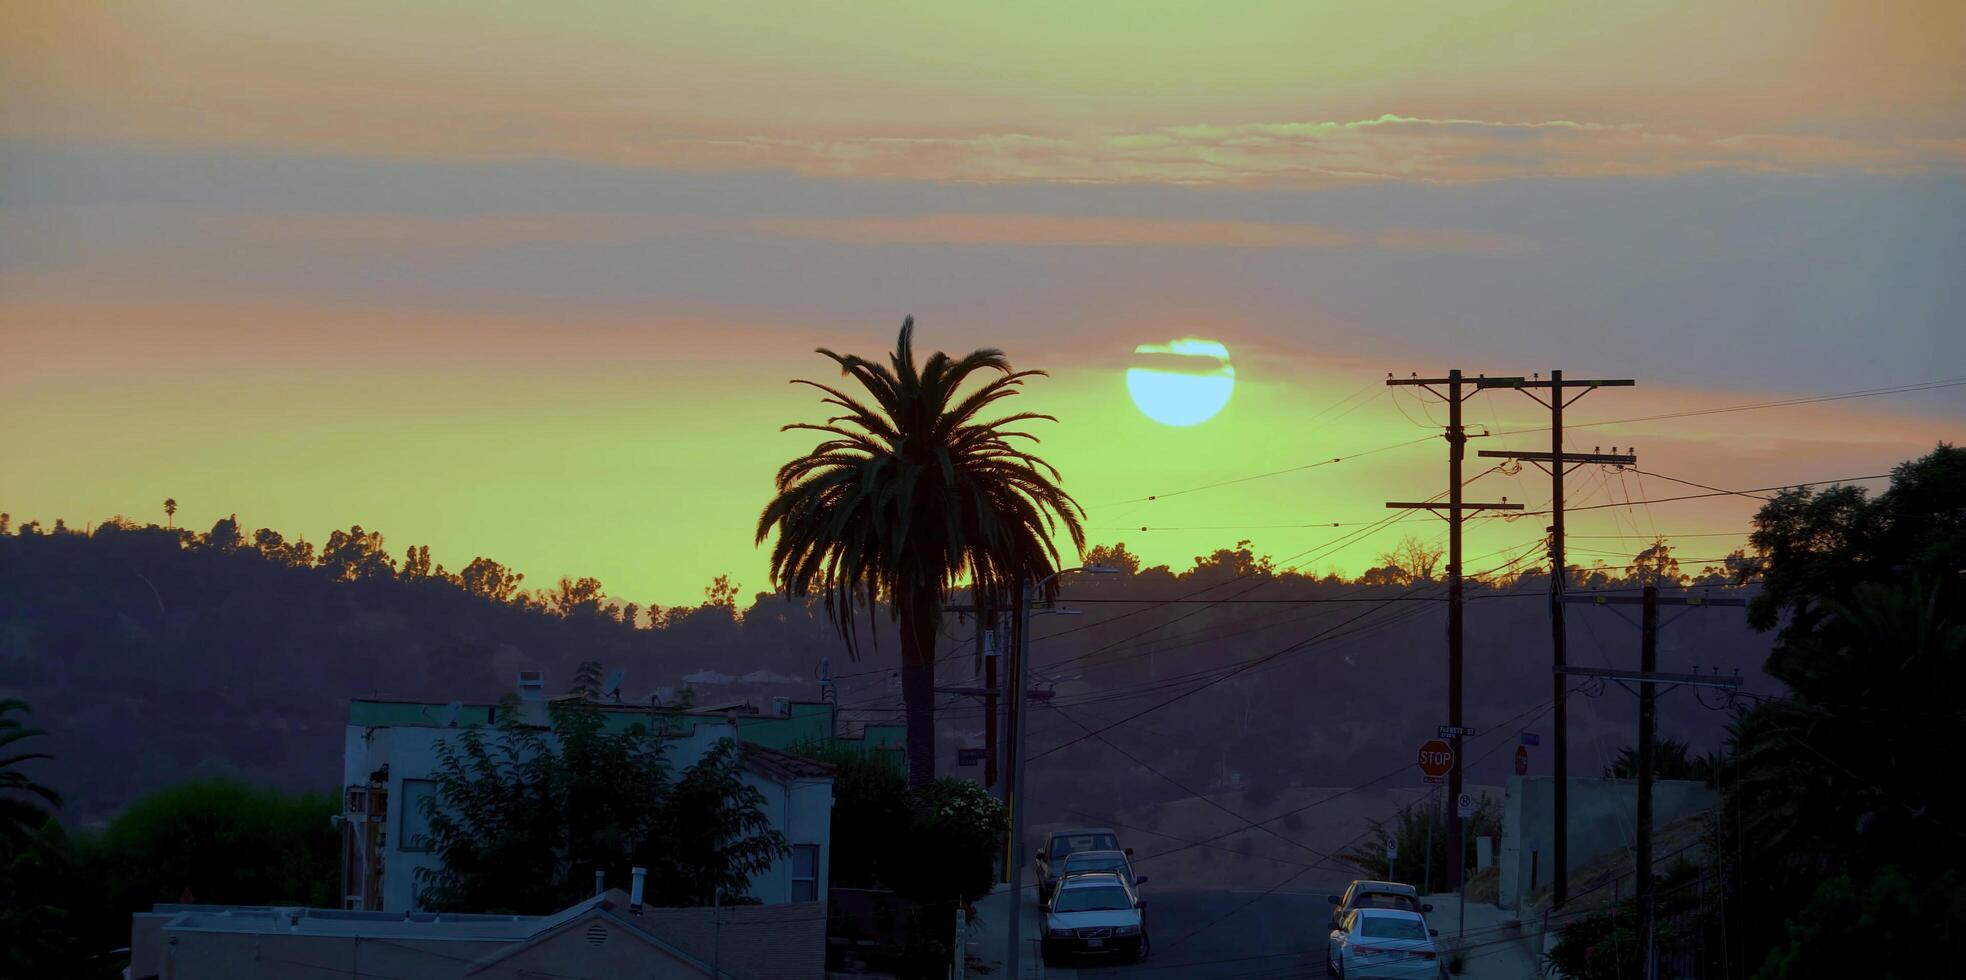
<point>1436,757</point>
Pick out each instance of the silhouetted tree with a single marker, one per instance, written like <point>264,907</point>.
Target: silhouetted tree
<point>24,803</point>
<point>1656,565</point>
<point>906,496</point>
<point>1114,557</point>
<point>574,598</point>
<point>1416,559</point>
<point>416,564</point>
<point>522,820</point>
<point>170,512</point>
<point>354,555</point>
<point>224,535</point>
<point>1671,759</point>
<point>488,579</point>
<point>1836,780</point>
<point>721,593</point>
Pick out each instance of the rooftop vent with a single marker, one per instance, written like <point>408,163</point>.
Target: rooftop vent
<point>597,934</point>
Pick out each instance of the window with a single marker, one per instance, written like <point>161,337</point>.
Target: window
<point>415,828</point>
<point>1391,927</point>
<point>1092,898</point>
<point>805,872</point>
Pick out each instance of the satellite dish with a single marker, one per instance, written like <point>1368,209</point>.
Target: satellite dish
<point>451,711</point>
<point>612,689</point>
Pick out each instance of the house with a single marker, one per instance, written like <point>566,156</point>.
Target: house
<point>607,936</point>
<point>389,766</point>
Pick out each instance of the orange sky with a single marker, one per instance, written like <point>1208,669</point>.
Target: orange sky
<point>530,286</point>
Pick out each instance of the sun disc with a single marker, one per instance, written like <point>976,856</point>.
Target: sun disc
<point>1182,383</point>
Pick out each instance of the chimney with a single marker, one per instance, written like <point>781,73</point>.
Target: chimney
<point>532,698</point>
<point>600,882</point>
<point>532,685</point>
<point>635,894</point>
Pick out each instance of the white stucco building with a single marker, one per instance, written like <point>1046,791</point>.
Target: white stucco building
<point>389,762</point>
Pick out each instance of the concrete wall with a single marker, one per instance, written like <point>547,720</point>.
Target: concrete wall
<point>210,955</point>
<point>1603,818</point>
<point>761,941</point>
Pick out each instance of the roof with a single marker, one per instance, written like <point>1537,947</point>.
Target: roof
<point>1080,878</point>
<point>1375,913</point>
<point>1083,832</point>
<point>783,766</point>
<point>1102,852</point>
<point>1383,886</point>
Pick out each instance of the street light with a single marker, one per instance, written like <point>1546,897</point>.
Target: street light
<point>1018,671</point>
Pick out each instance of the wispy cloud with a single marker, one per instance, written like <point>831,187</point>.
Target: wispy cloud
<point>1044,229</point>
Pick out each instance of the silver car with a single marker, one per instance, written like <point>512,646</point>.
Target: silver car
<point>1094,913</point>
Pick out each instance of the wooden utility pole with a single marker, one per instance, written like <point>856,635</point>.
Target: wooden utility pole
<point>1457,440</point>
<point>1648,663</point>
<point>1648,678</point>
<point>1557,464</point>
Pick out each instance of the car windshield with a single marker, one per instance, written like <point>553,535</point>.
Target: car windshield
<point>1061,846</point>
<point>1391,927</point>
<point>1093,898</point>
<point>1086,862</point>
<point>1387,900</point>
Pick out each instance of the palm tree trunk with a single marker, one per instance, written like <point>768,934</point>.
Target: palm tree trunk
<point>918,619</point>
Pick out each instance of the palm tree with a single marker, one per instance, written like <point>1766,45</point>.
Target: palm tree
<point>170,511</point>
<point>907,495</point>
<point>20,814</point>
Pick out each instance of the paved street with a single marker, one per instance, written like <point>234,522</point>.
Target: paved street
<point>1231,934</point>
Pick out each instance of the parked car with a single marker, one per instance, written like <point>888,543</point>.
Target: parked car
<point>1364,894</point>
<point>1118,861</point>
<point>1383,944</point>
<point>1094,913</point>
<point>1060,843</point>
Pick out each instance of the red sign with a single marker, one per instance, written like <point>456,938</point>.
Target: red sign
<point>1436,757</point>
<point>1522,760</point>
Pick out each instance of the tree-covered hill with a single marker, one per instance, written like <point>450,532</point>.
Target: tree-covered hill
<point>154,654</point>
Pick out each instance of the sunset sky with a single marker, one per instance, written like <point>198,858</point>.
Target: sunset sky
<point>528,281</point>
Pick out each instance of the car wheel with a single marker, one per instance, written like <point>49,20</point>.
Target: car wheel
<point>1329,969</point>
<point>1140,952</point>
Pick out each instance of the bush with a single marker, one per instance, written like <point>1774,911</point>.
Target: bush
<point>1410,825</point>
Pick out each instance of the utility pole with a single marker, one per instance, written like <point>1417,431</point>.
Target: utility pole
<point>1648,663</point>
<point>1648,678</point>
<point>1559,464</point>
<point>1457,440</point>
<point>1020,668</point>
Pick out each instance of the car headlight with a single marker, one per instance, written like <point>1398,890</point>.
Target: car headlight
<point>1059,933</point>
<point>1126,931</point>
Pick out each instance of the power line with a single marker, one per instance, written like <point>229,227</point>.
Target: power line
<point>1755,406</point>
<point>1272,473</point>
<point>1242,668</point>
<point>1723,493</point>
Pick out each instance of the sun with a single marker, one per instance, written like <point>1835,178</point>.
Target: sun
<point>1183,382</point>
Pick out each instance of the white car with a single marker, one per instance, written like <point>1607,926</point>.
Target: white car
<point>1094,913</point>
<point>1383,944</point>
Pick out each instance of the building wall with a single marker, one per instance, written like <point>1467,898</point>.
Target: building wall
<point>1603,818</point>
<point>801,811</point>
